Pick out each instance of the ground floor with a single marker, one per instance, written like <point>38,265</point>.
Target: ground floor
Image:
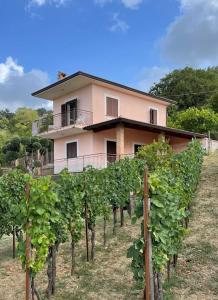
<point>97,149</point>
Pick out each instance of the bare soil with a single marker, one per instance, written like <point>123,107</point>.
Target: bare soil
<point>108,277</point>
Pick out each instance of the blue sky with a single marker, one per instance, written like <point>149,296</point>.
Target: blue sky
<point>134,42</point>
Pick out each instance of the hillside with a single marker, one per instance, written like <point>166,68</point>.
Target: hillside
<point>196,277</point>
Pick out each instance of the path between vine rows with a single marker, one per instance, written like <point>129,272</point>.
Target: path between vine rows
<point>110,277</point>
<point>196,277</point>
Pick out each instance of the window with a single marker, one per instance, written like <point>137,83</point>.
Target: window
<point>153,116</point>
<point>69,112</point>
<point>137,147</point>
<point>111,107</point>
<point>71,150</point>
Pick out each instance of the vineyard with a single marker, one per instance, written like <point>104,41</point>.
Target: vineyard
<point>88,211</point>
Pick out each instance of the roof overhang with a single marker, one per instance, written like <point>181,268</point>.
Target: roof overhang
<point>80,79</point>
<point>145,127</point>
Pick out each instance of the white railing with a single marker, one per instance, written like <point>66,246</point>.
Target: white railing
<point>78,164</point>
<point>76,117</point>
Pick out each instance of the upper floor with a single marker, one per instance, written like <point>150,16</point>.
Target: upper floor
<point>81,99</point>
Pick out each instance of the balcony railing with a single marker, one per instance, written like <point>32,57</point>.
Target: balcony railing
<point>78,164</point>
<point>76,118</point>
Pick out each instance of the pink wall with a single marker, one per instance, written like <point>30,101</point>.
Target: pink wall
<point>85,145</point>
<point>178,144</point>
<point>130,106</point>
<point>131,137</point>
<point>93,143</point>
<point>92,99</point>
<point>84,96</point>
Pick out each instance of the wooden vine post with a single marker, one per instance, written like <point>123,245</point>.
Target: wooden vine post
<point>148,292</point>
<point>87,231</point>
<point>86,222</point>
<point>28,248</point>
<point>14,242</point>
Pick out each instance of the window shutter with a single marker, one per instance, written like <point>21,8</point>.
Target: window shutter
<point>72,150</point>
<point>63,115</point>
<point>112,107</point>
<point>153,116</point>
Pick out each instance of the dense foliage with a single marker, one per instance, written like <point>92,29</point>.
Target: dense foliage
<point>198,120</point>
<point>51,209</point>
<point>29,149</point>
<point>171,189</point>
<point>196,94</point>
<point>189,87</point>
<point>17,124</point>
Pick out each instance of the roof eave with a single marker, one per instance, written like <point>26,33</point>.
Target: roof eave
<point>146,126</point>
<point>80,73</point>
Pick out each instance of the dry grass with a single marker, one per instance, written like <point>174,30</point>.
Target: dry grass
<point>196,277</point>
<point>109,277</point>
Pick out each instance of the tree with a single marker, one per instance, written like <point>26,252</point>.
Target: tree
<point>23,119</point>
<point>213,102</point>
<point>188,87</point>
<point>197,120</point>
<point>26,148</point>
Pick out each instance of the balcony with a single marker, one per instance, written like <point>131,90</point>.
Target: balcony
<point>60,125</point>
<point>78,164</point>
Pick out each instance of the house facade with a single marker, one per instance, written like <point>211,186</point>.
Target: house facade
<point>96,121</point>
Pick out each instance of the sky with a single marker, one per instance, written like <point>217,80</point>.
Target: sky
<point>133,42</point>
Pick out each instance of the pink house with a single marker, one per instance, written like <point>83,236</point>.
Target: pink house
<point>96,121</point>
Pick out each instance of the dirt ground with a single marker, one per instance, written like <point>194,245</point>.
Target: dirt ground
<point>109,277</point>
<point>196,277</point>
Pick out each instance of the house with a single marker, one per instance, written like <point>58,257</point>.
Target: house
<point>96,121</point>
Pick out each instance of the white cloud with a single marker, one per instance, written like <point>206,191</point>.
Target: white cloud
<point>118,24</point>
<point>10,67</point>
<point>102,2</point>
<point>192,38</point>
<point>150,76</point>
<point>133,4</point>
<point>44,2</point>
<point>16,85</point>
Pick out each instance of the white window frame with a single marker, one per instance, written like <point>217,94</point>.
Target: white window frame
<point>105,105</point>
<point>77,148</point>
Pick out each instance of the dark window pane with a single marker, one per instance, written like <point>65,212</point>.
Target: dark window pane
<point>153,116</point>
<point>72,150</point>
<point>111,151</point>
<point>136,148</point>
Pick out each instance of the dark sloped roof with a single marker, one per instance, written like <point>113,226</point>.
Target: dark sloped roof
<point>143,126</point>
<point>80,73</point>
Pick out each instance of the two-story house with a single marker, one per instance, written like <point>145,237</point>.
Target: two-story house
<point>96,121</point>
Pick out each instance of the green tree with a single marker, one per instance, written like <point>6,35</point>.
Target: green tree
<point>23,119</point>
<point>197,120</point>
<point>188,87</point>
<point>26,148</point>
<point>213,102</point>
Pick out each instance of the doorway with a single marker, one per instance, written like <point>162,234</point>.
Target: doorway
<point>111,147</point>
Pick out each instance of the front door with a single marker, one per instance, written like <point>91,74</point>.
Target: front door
<point>111,151</point>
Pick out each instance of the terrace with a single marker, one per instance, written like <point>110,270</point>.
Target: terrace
<point>60,125</point>
<point>78,164</point>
